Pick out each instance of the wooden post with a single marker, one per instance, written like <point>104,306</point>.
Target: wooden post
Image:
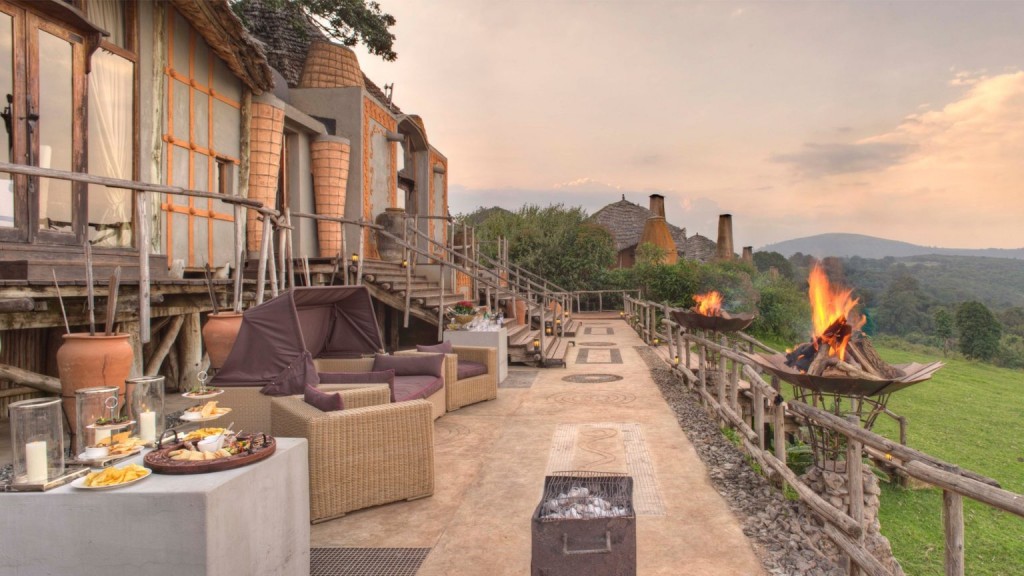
<point>440,302</point>
<point>359,264</point>
<point>703,367</point>
<point>157,359</point>
<point>272,261</point>
<point>758,415</point>
<point>734,381</point>
<point>190,349</point>
<point>779,429</point>
<point>344,257</point>
<point>261,269</point>
<point>721,374</point>
<point>408,273</point>
<point>953,520</point>
<point>855,485</point>
<point>239,256</point>
<point>142,243</point>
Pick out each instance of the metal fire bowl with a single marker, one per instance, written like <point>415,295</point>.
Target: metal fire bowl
<point>912,374</point>
<point>725,322</point>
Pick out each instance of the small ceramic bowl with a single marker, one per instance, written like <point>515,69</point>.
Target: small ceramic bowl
<point>96,452</point>
<point>211,444</point>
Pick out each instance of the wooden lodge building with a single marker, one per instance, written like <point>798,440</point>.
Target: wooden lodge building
<point>128,122</point>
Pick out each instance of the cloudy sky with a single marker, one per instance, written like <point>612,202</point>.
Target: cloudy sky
<point>903,120</point>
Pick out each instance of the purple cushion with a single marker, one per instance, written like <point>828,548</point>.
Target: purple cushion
<point>293,379</point>
<point>323,401</point>
<point>413,387</point>
<point>443,348</point>
<point>382,377</point>
<point>410,364</point>
<point>469,369</point>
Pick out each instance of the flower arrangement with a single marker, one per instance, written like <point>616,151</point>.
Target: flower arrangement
<point>463,307</point>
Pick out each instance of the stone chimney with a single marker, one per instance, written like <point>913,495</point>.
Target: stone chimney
<point>658,205</point>
<point>748,254</point>
<point>724,248</point>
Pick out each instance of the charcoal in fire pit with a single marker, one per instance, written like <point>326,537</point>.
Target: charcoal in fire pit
<point>801,357</point>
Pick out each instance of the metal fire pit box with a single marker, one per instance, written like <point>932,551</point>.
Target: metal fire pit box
<point>585,524</point>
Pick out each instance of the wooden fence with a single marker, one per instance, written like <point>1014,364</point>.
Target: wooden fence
<point>741,378</point>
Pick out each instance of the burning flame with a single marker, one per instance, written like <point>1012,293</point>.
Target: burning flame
<point>832,312</point>
<point>709,304</point>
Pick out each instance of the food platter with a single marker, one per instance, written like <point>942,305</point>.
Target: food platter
<point>209,393</point>
<point>197,417</point>
<point>255,447</point>
<point>103,460</point>
<point>112,426</point>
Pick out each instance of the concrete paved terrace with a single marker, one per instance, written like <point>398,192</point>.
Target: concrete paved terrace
<point>491,459</point>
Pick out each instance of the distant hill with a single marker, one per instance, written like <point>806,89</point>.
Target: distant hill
<point>849,245</point>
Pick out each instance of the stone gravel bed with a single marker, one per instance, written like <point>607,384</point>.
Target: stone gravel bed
<point>784,533</point>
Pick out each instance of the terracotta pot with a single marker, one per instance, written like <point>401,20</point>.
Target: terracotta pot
<point>521,311</point>
<point>393,221</point>
<point>84,361</point>
<point>219,335</point>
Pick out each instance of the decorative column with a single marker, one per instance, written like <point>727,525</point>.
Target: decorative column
<point>266,136</point>
<point>330,161</point>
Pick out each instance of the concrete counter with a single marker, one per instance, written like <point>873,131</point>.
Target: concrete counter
<point>250,520</point>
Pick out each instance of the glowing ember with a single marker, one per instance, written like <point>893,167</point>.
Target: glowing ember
<point>709,304</point>
<point>833,314</point>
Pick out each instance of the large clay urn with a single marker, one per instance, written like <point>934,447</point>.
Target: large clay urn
<point>521,311</point>
<point>84,361</point>
<point>393,221</point>
<point>219,335</point>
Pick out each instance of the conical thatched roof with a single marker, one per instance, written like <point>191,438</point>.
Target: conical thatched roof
<point>229,39</point>
<point>625,220</point>
<point>700,248</point>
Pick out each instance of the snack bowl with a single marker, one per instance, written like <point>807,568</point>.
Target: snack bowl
<point>211,444</point>
<point>96,452</point>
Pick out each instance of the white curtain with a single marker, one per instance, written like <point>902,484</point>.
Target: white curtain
<point>110,147</point>
<point>109,15</point>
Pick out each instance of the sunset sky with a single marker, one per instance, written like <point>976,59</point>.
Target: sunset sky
<point>903,120</point>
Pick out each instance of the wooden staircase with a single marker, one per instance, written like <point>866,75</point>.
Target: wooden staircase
<point>387,283</point>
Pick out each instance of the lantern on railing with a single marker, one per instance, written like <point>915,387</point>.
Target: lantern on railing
<point>37,440</point>
<point>405,262</point>
<point>91,404</point>
<point>146,398</point>
<point>536,344</point>
<point>355,258</point>
<point>675,360</point>
<point>622,313</point>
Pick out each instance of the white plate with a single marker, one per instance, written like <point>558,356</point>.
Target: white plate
<point>81,457</point>
<point>198,417</point>
<point>209,394</point>
<point>117,426</point>
<point>80,483</point>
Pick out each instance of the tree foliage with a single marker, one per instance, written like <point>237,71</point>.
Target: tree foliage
<point>979,330</point>
<point>765,261</point>
<point>349,22</point>
<point>556,243</point>
<point>904,307</point>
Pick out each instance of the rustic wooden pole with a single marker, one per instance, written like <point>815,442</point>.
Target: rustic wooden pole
<point>759,416</point>
<point>190,348</point>
<point>953,521</point>
<point>855,485</point>
<point>440,303</point>
<point>166,341</point>
<point>408,272</point>
<point>734,382</point>
<point>703,367</point>
<point>272,262</point>
<point>142,243</point>
<point>239,257</point>
<point>261,269</point>
<point>359,264</point>
<point>779,430</point>
<point>47,384</point>
<point>721,375</point>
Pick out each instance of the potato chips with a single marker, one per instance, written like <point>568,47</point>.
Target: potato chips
<point>113,476</point>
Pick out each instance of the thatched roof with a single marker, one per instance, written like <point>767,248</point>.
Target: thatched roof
<point>700,248</point>
<point>228,38</point>
<point>286,36</point>
<point>625,220</point>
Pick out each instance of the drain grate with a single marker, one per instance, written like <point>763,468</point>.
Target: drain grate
<point>591,378</point>
<point>519,379</point>
<point>366,561</point>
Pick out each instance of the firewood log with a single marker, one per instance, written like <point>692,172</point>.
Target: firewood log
<point>855,372</point>
<point>818,364</point>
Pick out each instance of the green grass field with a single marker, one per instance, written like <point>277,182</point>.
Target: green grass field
<point>972,415</point>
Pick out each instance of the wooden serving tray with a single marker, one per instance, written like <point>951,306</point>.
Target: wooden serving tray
<point>261,447</point>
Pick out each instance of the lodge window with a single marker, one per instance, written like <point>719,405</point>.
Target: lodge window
<point>202,94</point>
<point>47,98</point>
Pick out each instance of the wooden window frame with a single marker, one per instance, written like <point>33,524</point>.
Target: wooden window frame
<point>195,207</point>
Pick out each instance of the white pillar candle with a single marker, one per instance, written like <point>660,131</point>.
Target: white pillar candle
<point>147,426</point>
<point>35,462</point>
<point>100,436</point>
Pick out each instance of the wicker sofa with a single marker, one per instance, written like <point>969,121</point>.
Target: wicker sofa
<point>250,409</point>
<point>464,391</point>
<point>437,399</point>
<point>372,452</point>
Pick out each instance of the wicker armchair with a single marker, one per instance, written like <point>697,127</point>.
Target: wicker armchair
<point>437,399</point>
<point>459,393</point>
<point>361,456</point>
